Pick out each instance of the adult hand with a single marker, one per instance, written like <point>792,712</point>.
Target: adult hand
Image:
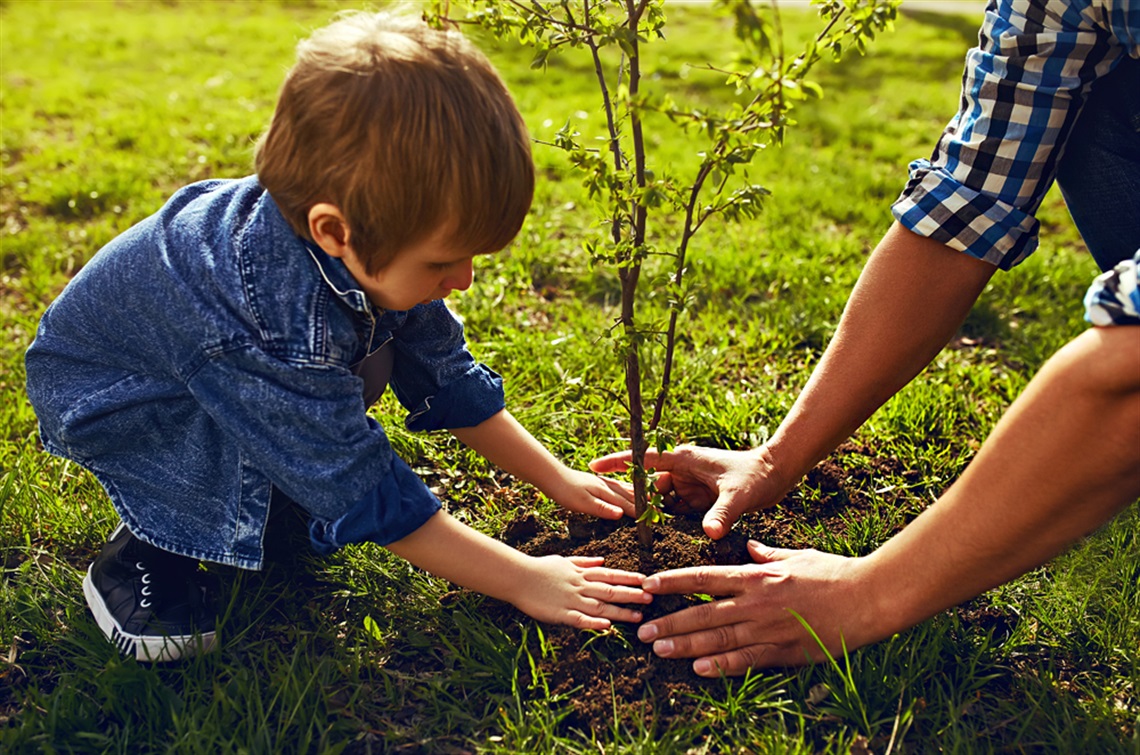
<point>725,483</point>
<point>755,623</point>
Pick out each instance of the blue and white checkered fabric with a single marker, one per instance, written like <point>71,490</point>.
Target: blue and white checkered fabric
<point>1022,90</point>
<point>1114,297</point>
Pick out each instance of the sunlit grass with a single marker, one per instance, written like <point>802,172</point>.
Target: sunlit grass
<point>108,108</point>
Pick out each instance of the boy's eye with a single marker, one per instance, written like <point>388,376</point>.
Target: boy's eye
<point>441,266</point>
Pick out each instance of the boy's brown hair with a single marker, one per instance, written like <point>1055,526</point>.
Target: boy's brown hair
<point>406,129</point>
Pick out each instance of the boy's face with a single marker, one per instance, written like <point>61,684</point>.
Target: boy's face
<point>422,272</point>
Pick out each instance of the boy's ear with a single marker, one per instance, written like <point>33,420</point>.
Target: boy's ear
<point>329,229</point>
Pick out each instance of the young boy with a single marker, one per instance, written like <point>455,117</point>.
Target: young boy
<point>223,351</point>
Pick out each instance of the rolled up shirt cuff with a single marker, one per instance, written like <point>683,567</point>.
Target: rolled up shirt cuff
<point>392,510</point>
<point>466,402</point>
<point>936,205</point>
<point>1114,297</point>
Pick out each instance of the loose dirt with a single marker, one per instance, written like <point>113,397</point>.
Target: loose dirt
<point>603,675</point>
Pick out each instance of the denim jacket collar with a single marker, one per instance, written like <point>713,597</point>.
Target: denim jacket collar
<point>346,289</point>
<point>341,281</point>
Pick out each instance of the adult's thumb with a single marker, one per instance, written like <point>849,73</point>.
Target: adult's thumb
<point>722,515</point>
<point>763,554</point>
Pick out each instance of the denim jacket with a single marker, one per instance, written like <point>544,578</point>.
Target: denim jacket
<point>205,356</point>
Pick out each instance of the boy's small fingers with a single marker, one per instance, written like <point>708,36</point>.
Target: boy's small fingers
<point>599,508</point>
<point>614,577</point>
<point>584,621</point>
<point>621,488</point>
<point>607,511</point>
<point>587,561</point>
<point>616,593</point>
<point>604,610</point>
<point>618,613</point>
<point>620,509</point>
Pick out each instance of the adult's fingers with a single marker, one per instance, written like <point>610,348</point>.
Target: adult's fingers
<point>709,580</point>
<point>766,554</point>
<point>719,639</point>
<point>731,650</point>
<point>713,616</point>
<point>673,496</point>
<point>615,462</point>
<point>619,461</point>
<point>738,661</point>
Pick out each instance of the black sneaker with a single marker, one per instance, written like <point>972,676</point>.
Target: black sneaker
<point>151,604</point>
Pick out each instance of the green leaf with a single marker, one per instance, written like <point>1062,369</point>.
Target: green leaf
<point>373,628</point>
<point>812,88</point>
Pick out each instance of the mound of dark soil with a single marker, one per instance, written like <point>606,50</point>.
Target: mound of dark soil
<point>613,673</point>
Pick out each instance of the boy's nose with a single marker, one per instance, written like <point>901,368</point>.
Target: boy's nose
<point>461,277</point>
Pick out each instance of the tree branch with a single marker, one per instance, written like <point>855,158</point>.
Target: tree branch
<point>548,19</point>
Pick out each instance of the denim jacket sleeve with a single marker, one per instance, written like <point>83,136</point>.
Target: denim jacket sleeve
<point>305,428</point>
<point>436,378</point>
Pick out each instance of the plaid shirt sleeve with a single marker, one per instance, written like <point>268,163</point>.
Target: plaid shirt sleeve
<point>1022,90</point>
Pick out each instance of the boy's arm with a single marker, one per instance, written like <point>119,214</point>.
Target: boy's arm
<point>575,591</point>
<point>506,444</point>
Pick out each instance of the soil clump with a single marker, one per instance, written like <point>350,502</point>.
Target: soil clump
<point>603,675</point>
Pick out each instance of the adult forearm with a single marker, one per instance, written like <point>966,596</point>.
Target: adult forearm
<point>912,296</point>
<point>1061,462</point>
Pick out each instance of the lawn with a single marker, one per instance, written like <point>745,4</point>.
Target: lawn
<point>108,108</point>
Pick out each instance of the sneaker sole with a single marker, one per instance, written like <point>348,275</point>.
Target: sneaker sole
<point>147,648</point>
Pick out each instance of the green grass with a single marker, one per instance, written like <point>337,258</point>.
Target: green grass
<point>108,108</point>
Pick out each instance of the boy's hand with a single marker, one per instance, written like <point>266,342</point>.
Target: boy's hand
<point>577,591</point>
<point>593,495</point>
<point>502,441</point>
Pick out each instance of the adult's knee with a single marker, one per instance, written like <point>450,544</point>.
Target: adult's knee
<point>1103,360</point>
